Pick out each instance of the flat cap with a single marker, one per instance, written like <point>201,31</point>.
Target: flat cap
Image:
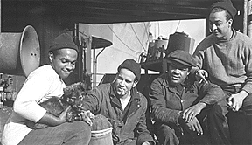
<point>131,65</point>
<point>181,57</point>
<point>64,40</point>
<point>226,5</point>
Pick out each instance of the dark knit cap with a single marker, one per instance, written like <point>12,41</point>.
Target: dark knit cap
<point>131,65</point>
<point>181,57</point>
<point>226,5</point>
<point>64,40</point>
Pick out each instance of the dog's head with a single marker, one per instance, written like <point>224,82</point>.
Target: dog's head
<point>74,93</point>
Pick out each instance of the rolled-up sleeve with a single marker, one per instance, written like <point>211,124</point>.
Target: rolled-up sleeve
<point>211,92</point>
<point>26,103</point>
<point>248,63</point>
<point>92,100</point>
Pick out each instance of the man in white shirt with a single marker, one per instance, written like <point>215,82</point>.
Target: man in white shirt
<point>43,83</point>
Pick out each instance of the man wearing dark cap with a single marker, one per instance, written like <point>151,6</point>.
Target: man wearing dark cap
<point>42,84</point>
<point>123,105</point>
<point>184,110</point>
<point>226,55</point>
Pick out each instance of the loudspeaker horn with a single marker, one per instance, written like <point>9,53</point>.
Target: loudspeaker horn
<point>19,52</point>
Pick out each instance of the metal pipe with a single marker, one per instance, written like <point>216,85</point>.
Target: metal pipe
<point>0,16</point>
<point>95,65</point>
<point>245,17</point>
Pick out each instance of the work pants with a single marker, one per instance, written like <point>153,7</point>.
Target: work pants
<point>69,133</point>
<point>240,123</point>
<point>211,120</point>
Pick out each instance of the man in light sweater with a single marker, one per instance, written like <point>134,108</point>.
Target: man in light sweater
<point>226,55</point>
<point>42,84</point>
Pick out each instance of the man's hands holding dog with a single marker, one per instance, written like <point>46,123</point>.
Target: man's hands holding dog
<point>63,117</point>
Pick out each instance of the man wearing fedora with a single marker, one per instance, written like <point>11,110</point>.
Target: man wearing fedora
<point>42,84</point>
<point>185,110</point>
<point>226,56</point>
<point>123,105</point>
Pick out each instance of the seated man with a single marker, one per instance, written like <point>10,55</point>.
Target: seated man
<point>226,56</point>
<point>41,85</point>
<point>123,105</point>
<point>185,111</point>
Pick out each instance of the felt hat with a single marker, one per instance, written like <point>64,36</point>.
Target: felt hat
<point>64,40</point>
<point>181,57</point>
<point>131,65</point>
<point>226,5</point>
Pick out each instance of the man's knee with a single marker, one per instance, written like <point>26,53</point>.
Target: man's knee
<point>216,112</point>
<point>78,126</point>
<point>167,134</point>
<point>167,131</point>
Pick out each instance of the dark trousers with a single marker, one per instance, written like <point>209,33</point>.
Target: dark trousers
<point>211,120</point>
<point>240,122</point>
<point>240,128</point>
<point>75,133</point>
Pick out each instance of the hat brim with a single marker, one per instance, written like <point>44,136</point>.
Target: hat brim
<point>181,62</point>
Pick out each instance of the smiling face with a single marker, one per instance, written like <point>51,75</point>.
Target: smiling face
<point>124,81</point>
<point>220,25</point>
<point>177,73</point>
<point>63,61</point>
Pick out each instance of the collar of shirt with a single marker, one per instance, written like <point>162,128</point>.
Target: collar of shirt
<point>187,85</point>
<point>133,104</point>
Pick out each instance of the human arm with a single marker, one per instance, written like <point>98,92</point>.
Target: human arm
<point>198,56</point>
<point>144,137</point>
<point>193,111</point>
<point>148,143</point>
<point>208,94</point>
<point>235,100</point>
<point>92,100</point>
<point>193,125</point>
<point>52,120</point>
<point>37,88</point>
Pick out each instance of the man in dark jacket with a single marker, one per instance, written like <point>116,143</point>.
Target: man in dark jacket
<point>123,105</point>
<point>185,111</point>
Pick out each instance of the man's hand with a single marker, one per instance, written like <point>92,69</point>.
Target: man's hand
<point>148,143</point>
<point>63,115</point>
<point>201,75</point>
<point>191,112</point>
<point>194,125</point>
<point>88,117</point>
<point>235,100</point>
<point>52,120</point>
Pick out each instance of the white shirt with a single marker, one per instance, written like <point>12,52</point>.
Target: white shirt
<point>125,102</point>
<point>40,85</point>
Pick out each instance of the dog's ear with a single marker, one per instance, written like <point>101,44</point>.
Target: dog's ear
<point>68,90</point>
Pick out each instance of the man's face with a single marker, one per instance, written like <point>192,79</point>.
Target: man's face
<point>64,62</point>
<point>219,25</point>
<point>177,73</point>
<point>124,81</point>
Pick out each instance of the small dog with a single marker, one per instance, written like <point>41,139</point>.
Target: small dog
<point>72,97</point>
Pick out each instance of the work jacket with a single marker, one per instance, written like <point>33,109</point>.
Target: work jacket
<point>167,101</point>
<point>129,124</point>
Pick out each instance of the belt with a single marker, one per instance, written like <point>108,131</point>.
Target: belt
<point>232,89</point>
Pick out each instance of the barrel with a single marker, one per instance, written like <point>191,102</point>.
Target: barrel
<point>101,137</point>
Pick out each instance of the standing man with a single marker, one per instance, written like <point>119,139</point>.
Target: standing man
<point>123,105</point>
<point>43,83</point>
<point>185,111</point>
<point>226,55</point>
